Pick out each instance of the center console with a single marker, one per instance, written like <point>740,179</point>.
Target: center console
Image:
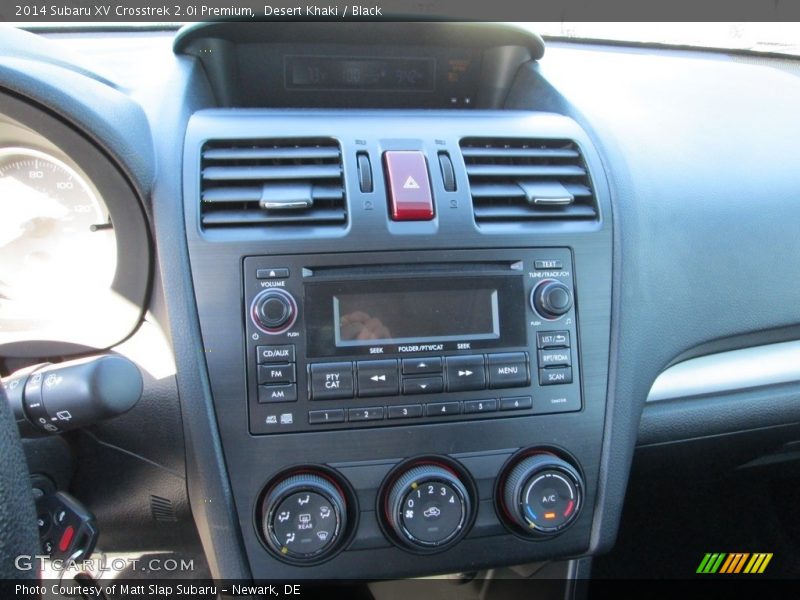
<point>405,320</point>
<point>405,314</point>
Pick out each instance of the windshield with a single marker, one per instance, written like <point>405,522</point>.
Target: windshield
<point>782,38</point>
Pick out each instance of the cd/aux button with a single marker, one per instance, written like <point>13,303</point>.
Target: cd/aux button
<point>267,354</point>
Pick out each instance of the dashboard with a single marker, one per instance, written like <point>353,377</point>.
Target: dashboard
<point>399,292</point>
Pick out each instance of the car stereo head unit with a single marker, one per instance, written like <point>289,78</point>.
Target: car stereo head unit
<point>343,341</point>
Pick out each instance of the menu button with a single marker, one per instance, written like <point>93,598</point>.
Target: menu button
<point>508,370</point>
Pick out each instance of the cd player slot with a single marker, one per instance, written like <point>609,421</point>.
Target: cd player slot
<point>415,270</point>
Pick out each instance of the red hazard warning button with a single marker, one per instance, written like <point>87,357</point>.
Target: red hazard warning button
<point>409,187</point>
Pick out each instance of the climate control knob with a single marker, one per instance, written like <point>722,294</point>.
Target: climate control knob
<point>551,299</point>
<point>274,311</point>
<point>304,517</point>
<point>428,507</point>
<point>542,494</point>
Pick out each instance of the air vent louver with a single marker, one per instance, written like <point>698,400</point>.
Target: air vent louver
<point>522,180</point>
<point>268,183</point>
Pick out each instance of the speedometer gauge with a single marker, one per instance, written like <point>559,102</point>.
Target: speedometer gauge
<point>57,243</point>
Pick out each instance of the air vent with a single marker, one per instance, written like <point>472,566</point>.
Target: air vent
<point>269,183</point>
<point>522,180</point>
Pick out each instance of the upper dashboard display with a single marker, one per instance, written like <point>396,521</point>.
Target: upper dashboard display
<point>359,65</point>
<point>347,75</point>
<point>322,73</point>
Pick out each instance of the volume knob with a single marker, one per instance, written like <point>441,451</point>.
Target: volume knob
<point>551,299</point>
<point>274,311</point>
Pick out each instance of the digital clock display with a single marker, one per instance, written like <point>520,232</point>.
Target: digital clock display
<point>354,74</point>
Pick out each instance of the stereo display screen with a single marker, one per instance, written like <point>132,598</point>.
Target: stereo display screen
<point>415,316</point>
<point>397,314</point>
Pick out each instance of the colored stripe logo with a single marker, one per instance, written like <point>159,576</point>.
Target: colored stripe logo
<point>734,563</point>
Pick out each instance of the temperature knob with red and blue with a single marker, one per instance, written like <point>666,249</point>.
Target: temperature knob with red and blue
<point>542,495</point>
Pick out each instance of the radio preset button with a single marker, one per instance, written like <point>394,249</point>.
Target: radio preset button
<point>465,373</point>
<point>334,415</point>
<point>266,354</point>
<point>521,403</point>
<point>331,381</point>
<point>276,374</point>
<point>373,413</point>
<point>407,411</point>
<point>552,339</point>
<point>423,385</point>
<point>508,370</point>
<point>479,406</point>
<point>421,366</point>
<point>277,393</point>
<point>555,376</point>
<point>443,409</point>
<point>554,358</point>
<point>377,378</point>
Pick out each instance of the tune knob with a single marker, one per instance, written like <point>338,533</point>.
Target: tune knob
<point>542,494</point>
<point>304,517</point>
<point>428,508</point>
<point>551,299</point>
<point>274,311</point>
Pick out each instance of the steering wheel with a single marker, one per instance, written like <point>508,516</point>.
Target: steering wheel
<point>18,535</point>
